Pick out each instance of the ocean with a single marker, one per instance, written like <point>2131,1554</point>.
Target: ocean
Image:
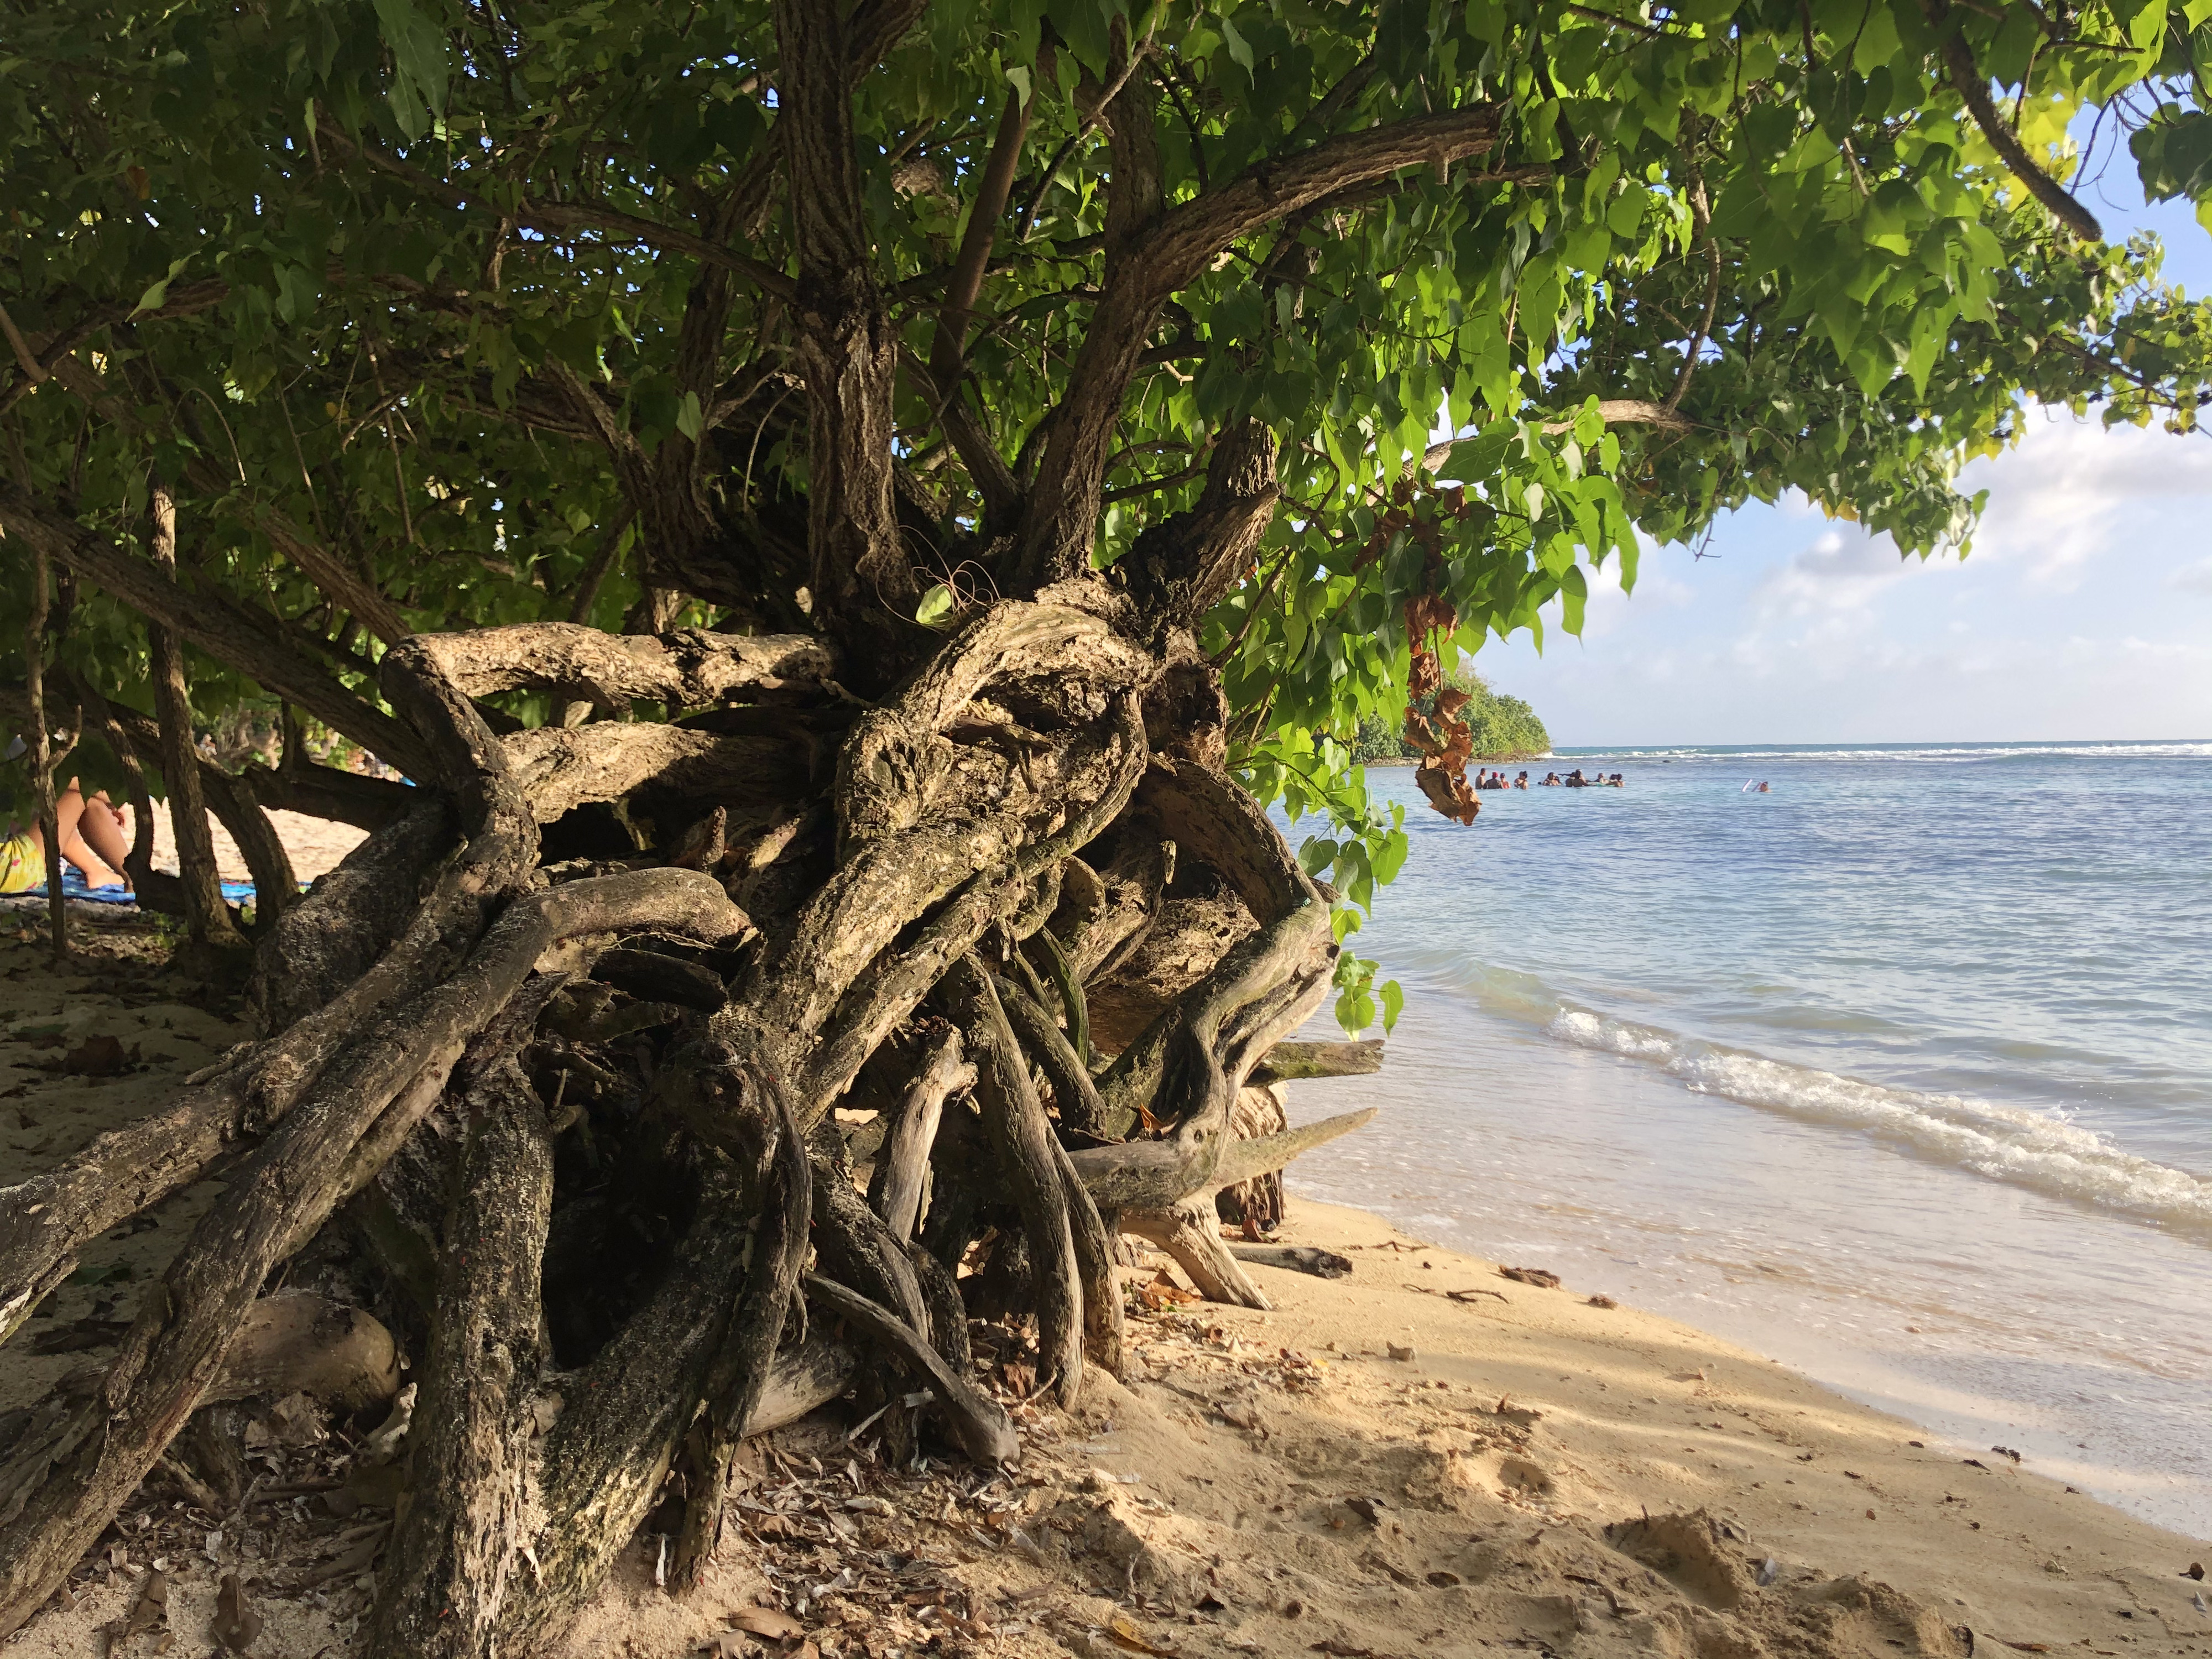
<point>1899,1073</point>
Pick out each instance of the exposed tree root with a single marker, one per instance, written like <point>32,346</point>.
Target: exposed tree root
<point>626,1048</point>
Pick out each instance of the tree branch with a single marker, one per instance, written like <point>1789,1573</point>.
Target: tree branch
<point>1149,257</point>
<point>248,643</point>
<point>1973,86</point>
<point>848,349</point>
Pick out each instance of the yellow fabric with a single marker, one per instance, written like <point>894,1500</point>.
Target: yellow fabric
<point>22,866</point>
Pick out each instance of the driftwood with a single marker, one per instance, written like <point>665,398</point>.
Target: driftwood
<point>1295,1258</point>
<point>1288,1062</point>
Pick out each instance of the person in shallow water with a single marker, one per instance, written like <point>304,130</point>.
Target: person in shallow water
<point>91,839</point>
<point>1521,782</point>
<point>1550,780</point>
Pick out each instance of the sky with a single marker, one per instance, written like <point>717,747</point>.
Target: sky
<point>2084,609</point>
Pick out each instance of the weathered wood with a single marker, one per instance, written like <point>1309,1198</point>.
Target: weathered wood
<point>205,913</point>
<point>1295,1258</point>
<point>1073,1090</point>
<point>1176,1069</point>
<point>895,1190</point>
<point>1188,1232</point>
<point>298,1342</point>
<point>688,669</point>
<point>651,976</point>
<point>983,1430</point>
<point>444,1584</point>
<point>1287,1062</point>
<point>737,1379</point>
<point>1028,1160</point>
<point>1095,1268</point>
<point>856,1249</point>
<point>559,771</point>
<point>54,1496</point>
<point>1152,1175</point>
<point>347,919</point>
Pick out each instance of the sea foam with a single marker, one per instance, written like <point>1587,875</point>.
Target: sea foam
<point>2039,1150</point>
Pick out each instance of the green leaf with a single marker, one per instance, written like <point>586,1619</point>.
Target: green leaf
<point>420,65</point>
<point>157,293</point>
<point>1238,49</point>
<point>1574,595</point>
<point>691,420</point>
<point>1394,1003</point>
<point>936,605</point>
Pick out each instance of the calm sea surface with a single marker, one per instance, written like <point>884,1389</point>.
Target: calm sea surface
<point>1900,1074</point>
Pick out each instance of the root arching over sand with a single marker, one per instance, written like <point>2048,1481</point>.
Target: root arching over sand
<point>655,1070</point>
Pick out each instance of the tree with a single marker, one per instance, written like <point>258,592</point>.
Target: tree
<point>1500,727</point>
<point>1000,432</point>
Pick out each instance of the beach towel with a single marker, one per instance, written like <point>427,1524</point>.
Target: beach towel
<point>236,893</point>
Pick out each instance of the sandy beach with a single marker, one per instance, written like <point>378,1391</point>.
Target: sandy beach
<point>1423,1456</point>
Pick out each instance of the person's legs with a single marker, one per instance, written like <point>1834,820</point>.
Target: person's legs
<point>71,818</point>
<point>101,826</point>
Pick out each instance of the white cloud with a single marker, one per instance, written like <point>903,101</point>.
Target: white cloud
<point>1843,571</point>
<point>2060,498</point>
<point>2193,578</point>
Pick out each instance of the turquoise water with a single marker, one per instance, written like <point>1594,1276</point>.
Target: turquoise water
<point>1900,1073</point>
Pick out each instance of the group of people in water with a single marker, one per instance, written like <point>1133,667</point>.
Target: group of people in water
<point>1574,779</point>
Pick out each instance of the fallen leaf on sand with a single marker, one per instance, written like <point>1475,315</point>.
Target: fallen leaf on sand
<point>1603,1302</point>
<point>1163,1292</point>
<point>1444,1580</point>
<point>1123,1629</point>
<point>766,1621</point>
<point>236,1624</point>
<point>152,1607</point>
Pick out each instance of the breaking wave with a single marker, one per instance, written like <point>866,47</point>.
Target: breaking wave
<point>2037,1150</point>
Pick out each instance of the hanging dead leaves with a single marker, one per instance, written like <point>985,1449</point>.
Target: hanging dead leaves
<point>1439,732</point>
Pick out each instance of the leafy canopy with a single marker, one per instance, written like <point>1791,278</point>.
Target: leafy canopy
<point>441,314</point>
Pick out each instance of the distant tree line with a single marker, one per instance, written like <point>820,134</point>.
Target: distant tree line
<point>1506,727</point>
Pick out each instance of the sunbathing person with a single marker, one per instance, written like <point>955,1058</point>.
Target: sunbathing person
<point>91,839</point>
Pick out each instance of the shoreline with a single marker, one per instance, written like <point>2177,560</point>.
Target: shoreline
<point>1376,1464</point>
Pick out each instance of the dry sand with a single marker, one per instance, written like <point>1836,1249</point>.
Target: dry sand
<point>1372,1467</point>
<point>315,844</point>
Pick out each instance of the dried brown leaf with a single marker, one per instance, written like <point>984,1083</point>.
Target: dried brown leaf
<point>771,1622</point>
<point>236,1623</point>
